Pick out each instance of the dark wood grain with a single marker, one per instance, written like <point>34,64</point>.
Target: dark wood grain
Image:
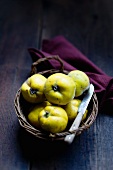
<point>89,26</point>
<point>20,26</point>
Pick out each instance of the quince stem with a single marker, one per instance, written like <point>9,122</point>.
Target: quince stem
<point>33,91</point>
<point>55,88</point>
<point>46,114</point>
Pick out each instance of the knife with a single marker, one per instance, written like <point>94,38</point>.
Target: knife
<point>81,110</point>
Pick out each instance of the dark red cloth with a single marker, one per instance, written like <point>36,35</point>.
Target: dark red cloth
<point>74,59</point>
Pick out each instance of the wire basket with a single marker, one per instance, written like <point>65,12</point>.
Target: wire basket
<point>22,107</point>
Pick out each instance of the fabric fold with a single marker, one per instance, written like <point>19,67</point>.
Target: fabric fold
<point>74,59</point>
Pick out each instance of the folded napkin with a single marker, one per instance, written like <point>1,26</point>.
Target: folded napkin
<point>74,59</point>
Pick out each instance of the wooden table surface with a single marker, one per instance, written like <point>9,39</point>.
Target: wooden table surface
<point>89,26</point>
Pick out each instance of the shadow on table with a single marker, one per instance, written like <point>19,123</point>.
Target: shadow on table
<point>33,147</point>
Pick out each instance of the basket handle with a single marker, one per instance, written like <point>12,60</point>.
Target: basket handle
<point>55,57</point>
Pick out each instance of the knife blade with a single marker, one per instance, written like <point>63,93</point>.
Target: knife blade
<point>81,110</point>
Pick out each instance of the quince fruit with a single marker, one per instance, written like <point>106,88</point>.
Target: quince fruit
<point>34,113</point>
<point>32,89</point>
<point>72,109</point>
<point>59,89</point>
<point>81,80</point>
<point>53,119</point>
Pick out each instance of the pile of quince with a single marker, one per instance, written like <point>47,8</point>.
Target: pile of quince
<point>56,97</point>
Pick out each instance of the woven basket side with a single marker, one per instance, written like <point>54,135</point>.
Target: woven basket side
<point>18,104</point>
<point>58,136</point>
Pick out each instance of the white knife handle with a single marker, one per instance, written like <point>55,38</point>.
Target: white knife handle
<point>82,108</point>
<point>69,138</point>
